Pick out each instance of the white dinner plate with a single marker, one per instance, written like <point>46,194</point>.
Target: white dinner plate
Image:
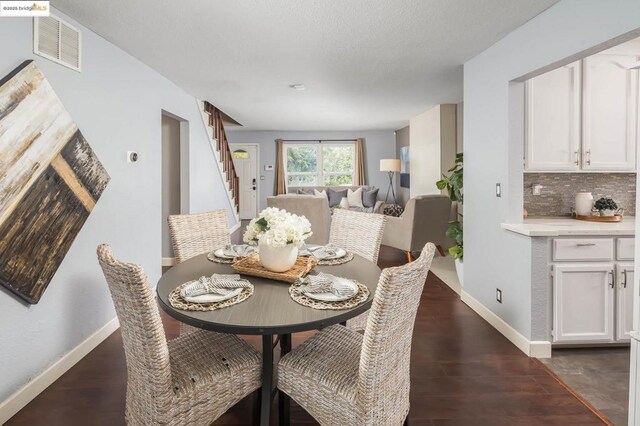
<point>210,298</point>
<point>220,253</point>
<point>330,297</point>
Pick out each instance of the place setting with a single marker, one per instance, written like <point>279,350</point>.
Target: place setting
<point>211,293</point>
<point>327,291</point>
<point>231,253</point>
<point>327,255</point>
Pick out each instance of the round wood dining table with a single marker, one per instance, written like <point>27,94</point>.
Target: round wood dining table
<point>269,312</point>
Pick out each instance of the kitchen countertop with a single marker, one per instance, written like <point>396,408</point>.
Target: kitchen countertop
<point>559,226</point>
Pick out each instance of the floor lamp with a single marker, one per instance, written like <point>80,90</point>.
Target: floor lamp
<point>390,166</point>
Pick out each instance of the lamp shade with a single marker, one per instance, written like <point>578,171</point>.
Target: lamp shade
<point>390,165</point>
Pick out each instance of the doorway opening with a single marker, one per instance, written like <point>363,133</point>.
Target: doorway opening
<point>174,154</point>
<point>246,161</point>
<point>575,124</point>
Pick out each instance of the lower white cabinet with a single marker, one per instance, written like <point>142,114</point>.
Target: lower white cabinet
<point>592,300</point>
<point>624,300</point>
<point>583,302</point>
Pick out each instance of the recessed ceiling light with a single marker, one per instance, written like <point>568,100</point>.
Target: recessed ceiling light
<point>297,86</point>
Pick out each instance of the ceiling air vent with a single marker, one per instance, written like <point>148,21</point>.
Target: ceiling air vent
<point>56,40</point>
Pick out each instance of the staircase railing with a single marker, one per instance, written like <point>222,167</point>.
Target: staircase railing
<point>222,145</point>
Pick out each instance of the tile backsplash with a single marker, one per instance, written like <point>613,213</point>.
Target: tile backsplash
<point>559,191</point>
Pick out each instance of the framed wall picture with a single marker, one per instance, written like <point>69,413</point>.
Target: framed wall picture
<point>405,180</point>
<point>50,181</point>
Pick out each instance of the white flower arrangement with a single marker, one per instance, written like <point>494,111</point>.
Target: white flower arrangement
<point>277,228</point>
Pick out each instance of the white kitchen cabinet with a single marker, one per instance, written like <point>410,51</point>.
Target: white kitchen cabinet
<point>624,300</point>
<point>583,302</point>
<point>609,117</point>
<point>553,119</point>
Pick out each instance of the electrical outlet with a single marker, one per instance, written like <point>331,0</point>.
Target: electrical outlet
<point>499,295</point>
<point>498,190</point>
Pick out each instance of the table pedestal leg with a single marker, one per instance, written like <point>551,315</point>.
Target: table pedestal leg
<point>283,398</point>
<point>267,379</point>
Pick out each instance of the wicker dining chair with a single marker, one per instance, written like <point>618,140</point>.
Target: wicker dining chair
<point>190,380</point>
<point>360,233</point>
<point>194,234</point>
<point>344,378</point>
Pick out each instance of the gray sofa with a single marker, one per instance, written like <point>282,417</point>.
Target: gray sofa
<point>377,208</point>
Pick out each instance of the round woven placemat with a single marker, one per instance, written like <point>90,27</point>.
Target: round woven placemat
<point>361,296</point>
<point>212,257</point>
<point>179,303</point>
<point>339,261</point>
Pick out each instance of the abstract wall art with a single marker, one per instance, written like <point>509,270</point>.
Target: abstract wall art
<point>50,181</point>
<point>405,172</point>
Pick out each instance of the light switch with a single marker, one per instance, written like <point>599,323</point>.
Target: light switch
<point>498,190</point>
<point>261,177</point>
<point>268,168</point>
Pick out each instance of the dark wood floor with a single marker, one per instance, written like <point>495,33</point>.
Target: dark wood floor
<point>463,373</point>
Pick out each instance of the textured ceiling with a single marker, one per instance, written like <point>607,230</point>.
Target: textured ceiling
<point>366,64</point>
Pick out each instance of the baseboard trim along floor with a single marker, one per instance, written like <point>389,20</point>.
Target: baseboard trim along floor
<point>28,392</point>
<point>536,349</point>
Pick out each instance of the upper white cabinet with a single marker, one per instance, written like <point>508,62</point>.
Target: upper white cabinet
<point>583,116</point>
<point>610,110</point>
<point>553,119</point>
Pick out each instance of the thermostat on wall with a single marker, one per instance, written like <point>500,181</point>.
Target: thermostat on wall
<point>132,156</point>
<point>268,168</point>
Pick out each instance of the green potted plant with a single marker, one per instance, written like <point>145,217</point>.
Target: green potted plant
<point>606,206</point>
<point>453,184</point>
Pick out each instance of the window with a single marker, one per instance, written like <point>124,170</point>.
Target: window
<point>240,153</point>
<point>320,164</point>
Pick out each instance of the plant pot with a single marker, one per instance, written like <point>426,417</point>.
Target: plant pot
<point>459,271</point>
<point>607,212</point>
<point>278,259</point>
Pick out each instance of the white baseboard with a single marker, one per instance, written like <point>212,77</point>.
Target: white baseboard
<point>537,349</point>
<point>28,392</point>
<point>235,227</point>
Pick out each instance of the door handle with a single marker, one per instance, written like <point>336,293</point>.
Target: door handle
<point>612,281</point>
<point>624,278</point>
<point>577,162</point>
<point>588,155</point>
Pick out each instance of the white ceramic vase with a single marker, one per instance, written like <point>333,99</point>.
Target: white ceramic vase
<point>584,203</point>
<point>278,259</point>
<point>459,271</point>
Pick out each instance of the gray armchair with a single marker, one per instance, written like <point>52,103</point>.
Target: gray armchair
<point>424,220</point>
<point>315,209</point>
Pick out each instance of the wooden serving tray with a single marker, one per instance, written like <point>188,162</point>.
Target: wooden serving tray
<point>251,266</point>
<point>607,219</point>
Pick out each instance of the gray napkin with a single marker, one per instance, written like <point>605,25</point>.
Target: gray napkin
<point>239,250</point>
<point>324,283</point>
<point>215,284</point>
<point>321,252</point>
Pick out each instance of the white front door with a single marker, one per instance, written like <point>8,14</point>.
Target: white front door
<point>245,160</point>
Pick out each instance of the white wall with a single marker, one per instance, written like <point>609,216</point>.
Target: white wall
<point>116,102</point>
<point>377,145</point>
<point>432,136</point>
<point>493,149</point>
